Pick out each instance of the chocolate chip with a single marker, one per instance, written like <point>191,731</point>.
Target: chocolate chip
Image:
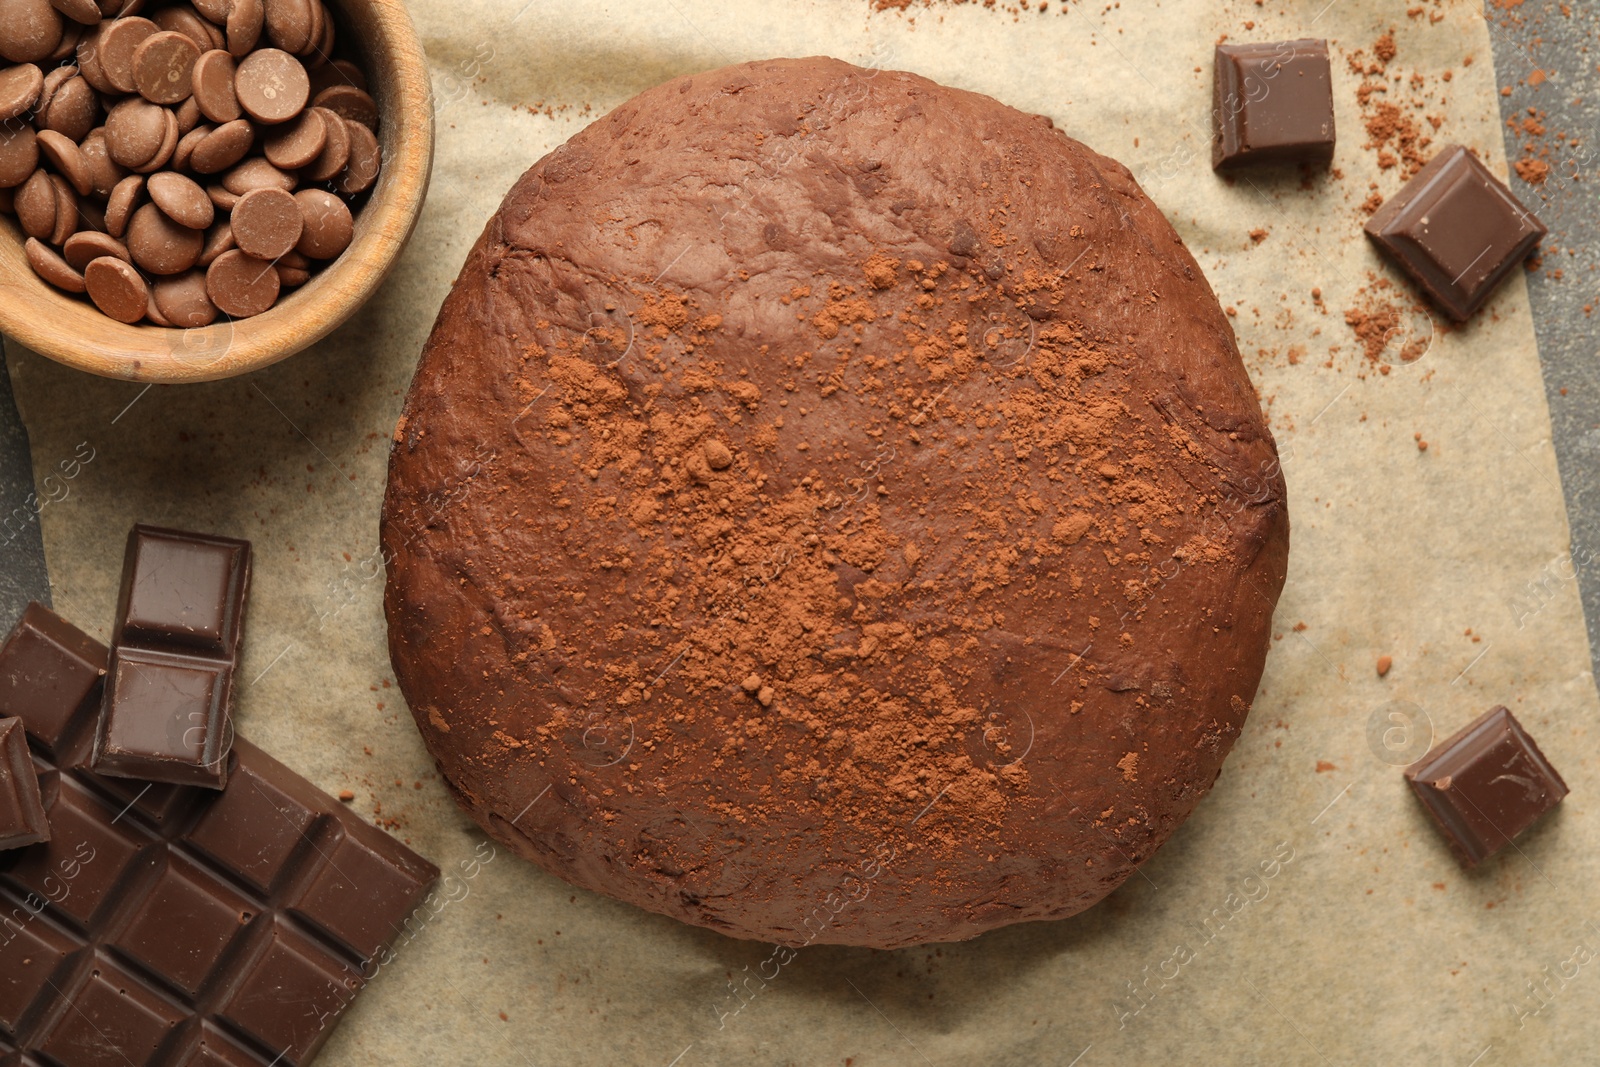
<point>320,44</point>
<point>152,313</point>
<point>182,300</point>
<point>335,153</point>
<point>213,86</point>
<point>70,35</point>
<point>104,174</point>
<point>160,245</point>
<point>219,239</point>
<point>299,142</point>
<point>222,198</point>
<point>74,109</point>
<point>292,24</point>
<point>244,22</point>
<point>188,115</point>
<point>120,204</point>
<point>365,156</point>
<point>169,145</point>
<point>19,155</point>
<point>256,173</point>
<point>66,211</point>
<point>240,285</point>
<point>329,226</point>
<point>117,44</point>
<point>272,85</point>
<point>135,130</point>
<point>29,30</point>
<point>294,270</point>
<point>226,145</point>
<point>349,102</point>
<point>183,19</point>
<point>183,155</point>
<point>339,72</point>
<point>266,223</point>
<point>88,55</point>
<point>181,200</point>
<point>214,11</point>
<point>86,246</point>
<point>84,12</point>
<point>36,206</point>
<point>19,90</point>
<point>163,67</point>
<point>51,267</point>
<point>117,289</point>
<point>53,80</point>
<point>67,159</point>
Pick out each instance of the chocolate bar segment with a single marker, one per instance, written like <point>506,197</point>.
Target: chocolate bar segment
<point>201,927</point>
<point>183,589</point>
<point>1272,103</point>
<point>166,718</point>
<point>1456,230</point>
<point>1485,785</point>
<point>53,671</point>
<point>22,820</point>
<point>168,714</point>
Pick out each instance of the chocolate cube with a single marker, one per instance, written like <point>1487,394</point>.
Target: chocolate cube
<point>1272,103</point>
<point>1457,230</point>
<point>1485,784</point>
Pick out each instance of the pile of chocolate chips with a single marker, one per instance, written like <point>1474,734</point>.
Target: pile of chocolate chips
<point>184,161</point>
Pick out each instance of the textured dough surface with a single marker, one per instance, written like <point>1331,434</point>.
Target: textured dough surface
<point>831,508</point>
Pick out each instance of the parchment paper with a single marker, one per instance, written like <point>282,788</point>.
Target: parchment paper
<point>1365,944</point>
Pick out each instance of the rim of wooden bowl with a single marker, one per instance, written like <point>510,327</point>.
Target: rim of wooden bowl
<point>70,330</point>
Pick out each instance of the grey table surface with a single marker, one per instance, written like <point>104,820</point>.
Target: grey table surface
<point>22,569</point>
<point>1545,54</point>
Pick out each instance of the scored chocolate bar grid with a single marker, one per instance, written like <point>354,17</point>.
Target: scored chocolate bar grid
<point>175,926</point>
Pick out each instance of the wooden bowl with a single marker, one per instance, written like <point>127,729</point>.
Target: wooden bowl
<point>71,330</point>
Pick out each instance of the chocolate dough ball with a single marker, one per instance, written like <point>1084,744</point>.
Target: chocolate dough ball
<point>831,509</point>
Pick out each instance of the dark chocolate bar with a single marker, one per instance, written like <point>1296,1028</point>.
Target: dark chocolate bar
<point>1272,103</point>
<point>22,819</point>
<point>1486,784</point>
<point>1457,230</point>
<point>173,926</point>
<point>169,699</point>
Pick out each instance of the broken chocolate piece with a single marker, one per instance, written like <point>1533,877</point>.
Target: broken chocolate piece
<point>1272,102</point>
<point>1485,785</point>
<point>169,697</point>
<point>171,926</point>
<point>1457,230</point>
<point>52,671</point>
<point>22,820</point>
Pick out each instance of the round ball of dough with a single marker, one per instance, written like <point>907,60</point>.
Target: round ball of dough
<point>831,508</point>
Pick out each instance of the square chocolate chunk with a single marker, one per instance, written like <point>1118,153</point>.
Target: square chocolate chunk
<point>1485,785</point>
<point>22,819</point>
<point>183,589</point>
<point>1457,230</point>
<point>166,719</point>
<point>1272,102</point>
